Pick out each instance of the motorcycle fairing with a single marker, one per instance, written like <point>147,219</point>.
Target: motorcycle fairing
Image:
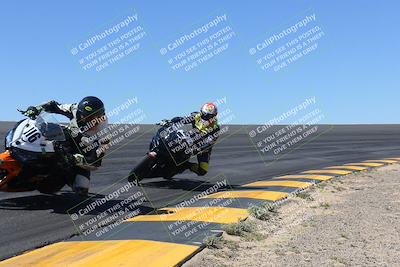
<point>28,136</point>
<point>10,166</point>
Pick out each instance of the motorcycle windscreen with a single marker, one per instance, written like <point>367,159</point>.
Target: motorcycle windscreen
<point>51,131</point>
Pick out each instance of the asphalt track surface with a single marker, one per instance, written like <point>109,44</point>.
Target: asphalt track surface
<point>29,220</point>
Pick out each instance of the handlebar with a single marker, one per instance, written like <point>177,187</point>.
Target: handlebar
<point>164,123</point>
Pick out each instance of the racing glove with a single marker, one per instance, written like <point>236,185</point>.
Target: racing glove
<point>32,112</point>
<point>164,123</point>
<point>79,160</point>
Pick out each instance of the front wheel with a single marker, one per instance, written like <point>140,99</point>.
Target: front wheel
<point>50,186</point>
<point>140,171</point>
<point>3,174</point>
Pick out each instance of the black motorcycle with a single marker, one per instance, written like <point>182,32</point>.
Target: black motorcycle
<point>169,152</point>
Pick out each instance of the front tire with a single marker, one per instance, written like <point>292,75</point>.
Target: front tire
<point>140,171</point>
<point>50,186</point>
<point>3,174</point>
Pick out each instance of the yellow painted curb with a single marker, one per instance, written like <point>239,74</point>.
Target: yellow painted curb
<point>278,183</point>
<point>253,194</point>
<point>105,253</point>
<point>305,176</point>
<point>383,161</point>
<point>338,172</point>
<point>397,159</point>
<point>221,215</point>
<point>349,167</point>
<point>367,164</point>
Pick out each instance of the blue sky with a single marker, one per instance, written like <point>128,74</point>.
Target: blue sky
<point>353,74</point>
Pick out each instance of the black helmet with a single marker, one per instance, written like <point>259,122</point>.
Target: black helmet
<point>90,109</point>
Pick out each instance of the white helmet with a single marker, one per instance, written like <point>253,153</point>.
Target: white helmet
<point>208,111</point>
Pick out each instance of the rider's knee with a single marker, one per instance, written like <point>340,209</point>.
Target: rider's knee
<point>81,184</point>
<point>83,172</point>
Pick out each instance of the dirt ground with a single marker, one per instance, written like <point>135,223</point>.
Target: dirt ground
<point>350,221</point>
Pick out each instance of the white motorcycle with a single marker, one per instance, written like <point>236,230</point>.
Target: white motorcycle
<point>39,156</point>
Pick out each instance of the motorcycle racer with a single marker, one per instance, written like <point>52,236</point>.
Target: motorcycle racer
<point>87,120</point>
<point>205,123</point>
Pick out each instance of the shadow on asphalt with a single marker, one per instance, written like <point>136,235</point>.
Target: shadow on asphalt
<point>64,203</point>
<point>68,202</point>
<point>193,185</point>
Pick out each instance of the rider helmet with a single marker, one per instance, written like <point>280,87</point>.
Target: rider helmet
<point>90,113</point>
<point>208,111</point>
